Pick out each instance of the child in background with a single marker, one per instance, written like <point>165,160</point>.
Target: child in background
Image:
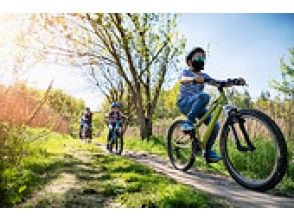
<point>114,119</point>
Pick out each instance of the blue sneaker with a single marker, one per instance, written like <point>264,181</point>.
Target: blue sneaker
<point>187,126</point>
<point>212,157</point>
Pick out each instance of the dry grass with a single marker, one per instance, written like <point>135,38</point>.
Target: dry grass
<point>17,104</point>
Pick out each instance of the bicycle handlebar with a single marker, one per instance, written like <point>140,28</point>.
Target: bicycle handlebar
<point>220,84</point>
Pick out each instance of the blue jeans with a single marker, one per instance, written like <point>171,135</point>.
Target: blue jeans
<point>195,107</point>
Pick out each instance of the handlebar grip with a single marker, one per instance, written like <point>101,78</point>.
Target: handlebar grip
<point>237,82</point>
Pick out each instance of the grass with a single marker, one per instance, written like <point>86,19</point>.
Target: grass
<point>40,158</point>
<point>155,145</point>
<point>130,184</point>
<point>96,179</point>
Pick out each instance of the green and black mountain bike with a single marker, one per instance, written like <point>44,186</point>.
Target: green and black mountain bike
<point>252,146</point>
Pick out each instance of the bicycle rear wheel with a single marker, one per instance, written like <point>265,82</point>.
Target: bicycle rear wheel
<point>180,147</point>
<point>253,150</point>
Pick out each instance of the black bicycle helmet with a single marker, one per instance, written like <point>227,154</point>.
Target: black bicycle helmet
<point>192,52</point>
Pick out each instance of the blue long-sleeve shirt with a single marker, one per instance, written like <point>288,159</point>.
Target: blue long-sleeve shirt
<point>192,88</point>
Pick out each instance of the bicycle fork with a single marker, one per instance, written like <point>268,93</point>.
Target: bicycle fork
<point>234,116</point>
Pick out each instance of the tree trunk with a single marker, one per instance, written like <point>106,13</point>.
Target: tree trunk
<point>149,127</point>
<point>142,126</point>
<point>145,125</point>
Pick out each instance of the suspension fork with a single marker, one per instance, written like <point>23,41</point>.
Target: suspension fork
<point>235,116</point>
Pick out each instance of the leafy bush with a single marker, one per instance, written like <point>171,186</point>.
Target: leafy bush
<point>25,156</point>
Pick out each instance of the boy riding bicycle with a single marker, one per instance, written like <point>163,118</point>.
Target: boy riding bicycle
<point>86,121</point>
<point>114,119</point>
<point>192,101</point>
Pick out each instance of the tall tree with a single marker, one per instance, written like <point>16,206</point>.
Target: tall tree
<point>142,48</point>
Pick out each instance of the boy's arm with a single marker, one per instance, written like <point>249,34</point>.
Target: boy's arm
<point>189,79</point>
<point>187,76</point>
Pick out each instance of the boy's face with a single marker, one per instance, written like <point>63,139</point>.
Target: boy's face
<point>197,55</point>
<point>115,109</point>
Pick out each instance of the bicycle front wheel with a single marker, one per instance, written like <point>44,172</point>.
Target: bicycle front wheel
<point>118,144</point>
<point>253,150</point>
<point>180,147</point>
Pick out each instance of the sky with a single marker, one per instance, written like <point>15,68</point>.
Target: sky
<point>246,45</point>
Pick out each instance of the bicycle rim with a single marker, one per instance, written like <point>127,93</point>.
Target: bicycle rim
<point>180,147</point>
<point>252,168</point>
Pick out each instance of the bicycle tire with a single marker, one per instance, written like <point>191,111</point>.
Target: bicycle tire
<point>110,147</point>
<point>170,150</point>
<point>281,162</point>
<point>120,142</point>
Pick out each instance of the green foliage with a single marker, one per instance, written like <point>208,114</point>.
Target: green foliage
<point>144,49</point>
<point>98,123</point>
<point>100,179</point>
<point>67,106</point>
<point>154,145</point>
<point>133,185</point>
<point>286,86</point>
<point>167,103</point>
<point>29,156</point>
<point>242,100</point>
<point>10,144</point>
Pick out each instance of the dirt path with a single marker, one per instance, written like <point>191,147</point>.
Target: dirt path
<point>68,188</point>
<point>211,183</point>
<point>52,192</point>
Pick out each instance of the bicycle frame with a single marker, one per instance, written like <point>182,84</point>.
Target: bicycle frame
<point>215,108</point>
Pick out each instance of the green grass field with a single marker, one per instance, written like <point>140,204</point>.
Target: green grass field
<point>58,171</point>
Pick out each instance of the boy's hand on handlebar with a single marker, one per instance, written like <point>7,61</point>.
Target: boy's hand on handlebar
<point>241,81</point>
<point>237,82</point>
